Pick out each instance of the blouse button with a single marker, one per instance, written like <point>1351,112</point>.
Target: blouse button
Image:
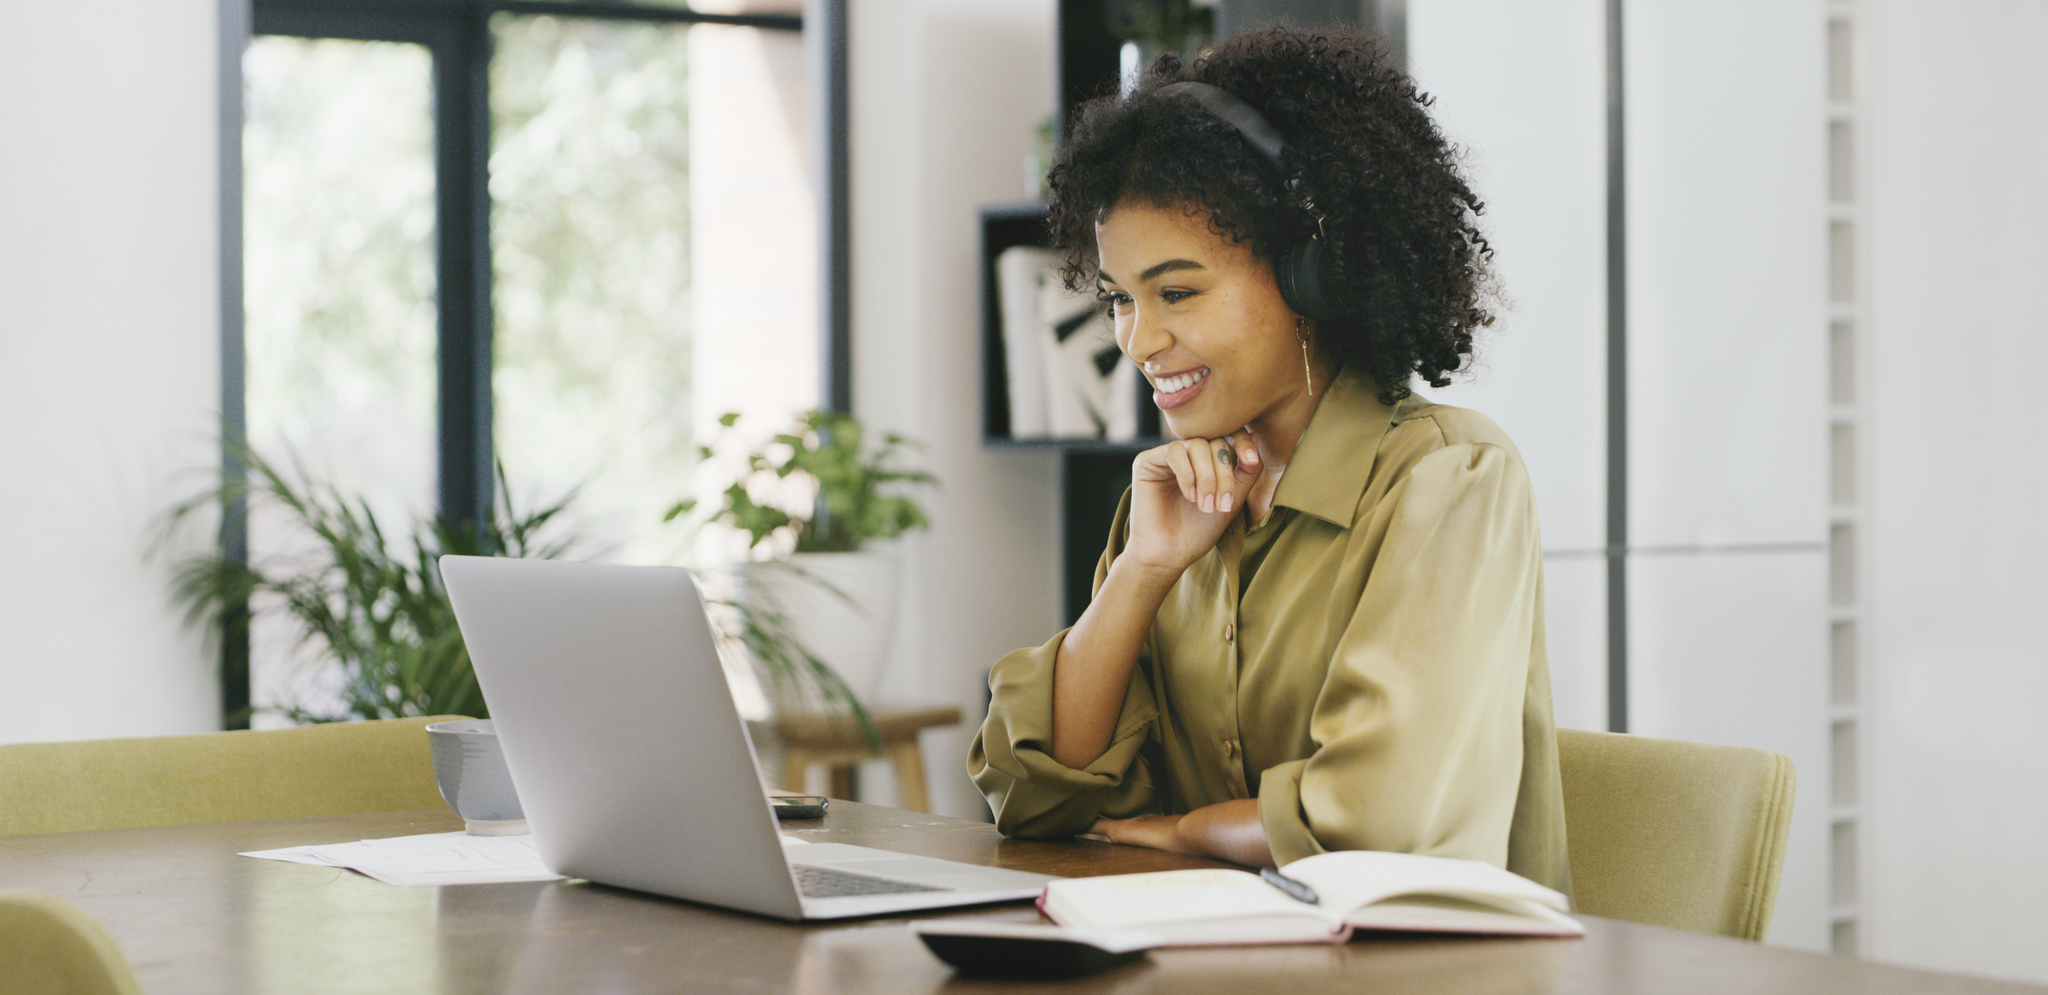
<point>1230,748</point>
<point>1229,632</point>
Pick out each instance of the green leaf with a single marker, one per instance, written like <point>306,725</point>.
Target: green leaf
<point>367,599</point>
<point>859,485</point>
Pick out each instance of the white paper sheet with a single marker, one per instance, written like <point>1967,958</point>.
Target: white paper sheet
<point>431,859</point>
<point>434,858</point>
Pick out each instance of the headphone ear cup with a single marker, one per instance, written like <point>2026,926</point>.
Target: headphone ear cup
<point>1305,281</point>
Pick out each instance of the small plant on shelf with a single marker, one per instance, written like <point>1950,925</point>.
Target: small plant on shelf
<point>855,488</point>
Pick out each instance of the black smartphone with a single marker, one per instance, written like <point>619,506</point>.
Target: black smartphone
<point>798,806</point>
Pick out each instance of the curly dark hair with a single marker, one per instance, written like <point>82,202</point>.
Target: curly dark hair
<point>1400,223</point>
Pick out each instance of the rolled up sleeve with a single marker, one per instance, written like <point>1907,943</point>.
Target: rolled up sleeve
<point>1034,795</point>
<point>1418,724</point>
<point>1010,760</point>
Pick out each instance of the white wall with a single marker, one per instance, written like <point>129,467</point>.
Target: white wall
<point>109,362</point>
<point>945,97</point>
<point>1957,538</point>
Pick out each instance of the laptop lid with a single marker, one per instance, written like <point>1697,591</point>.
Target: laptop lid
<point>631,761</point>
<point>632,764</point>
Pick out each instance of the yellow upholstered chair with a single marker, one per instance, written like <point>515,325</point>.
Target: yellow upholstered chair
<point>50,947</point>
<point>329,769</point>
<point>1675,834</point>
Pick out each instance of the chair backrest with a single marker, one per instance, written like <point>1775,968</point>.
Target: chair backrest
<point>329,769</point>
<point>1673,833</point>
<point>50,947</point>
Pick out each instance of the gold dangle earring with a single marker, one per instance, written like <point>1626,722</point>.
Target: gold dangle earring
<point>1301,333</point>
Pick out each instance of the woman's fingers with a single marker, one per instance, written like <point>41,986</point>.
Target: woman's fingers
<point>1247,453</point>
<point>1181,462</point>
<point>1214,475</point>
<point>1194,471</point>
<point>1226,474</point>
<point>1202,457</point>
<point>1238,452</point>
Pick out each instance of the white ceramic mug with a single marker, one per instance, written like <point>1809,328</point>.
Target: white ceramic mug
<point>470,769</point>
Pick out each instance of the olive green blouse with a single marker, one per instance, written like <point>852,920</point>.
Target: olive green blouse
<point>1368,661</point>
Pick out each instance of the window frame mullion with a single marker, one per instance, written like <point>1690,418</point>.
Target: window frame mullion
<point>462,213</point>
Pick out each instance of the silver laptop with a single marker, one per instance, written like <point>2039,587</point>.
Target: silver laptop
<point>632,763</point>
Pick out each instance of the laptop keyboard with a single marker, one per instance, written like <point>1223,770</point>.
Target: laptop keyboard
<point>823,882</point>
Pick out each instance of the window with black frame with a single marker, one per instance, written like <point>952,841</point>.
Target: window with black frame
<point>561,237</point>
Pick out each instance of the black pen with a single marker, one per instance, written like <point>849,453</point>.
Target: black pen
<point>1294,889</point>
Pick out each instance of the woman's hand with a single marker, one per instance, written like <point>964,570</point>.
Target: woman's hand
<point>1184,494</point>
<point>1229,830</point>
<point>1157,832</point>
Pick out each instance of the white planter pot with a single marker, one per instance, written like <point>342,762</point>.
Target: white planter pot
<point>840,606</point>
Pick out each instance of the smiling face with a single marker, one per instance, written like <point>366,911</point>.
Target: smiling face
<point>1202,316</point>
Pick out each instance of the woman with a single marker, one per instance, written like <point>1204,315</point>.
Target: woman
<point>1319,621</point>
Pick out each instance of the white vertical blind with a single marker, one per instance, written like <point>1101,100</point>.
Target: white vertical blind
<point>1727,408</point>
<point>1727,467</point>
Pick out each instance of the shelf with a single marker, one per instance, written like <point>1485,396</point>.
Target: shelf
<point>1005,226</point>
<point>1002,226</point>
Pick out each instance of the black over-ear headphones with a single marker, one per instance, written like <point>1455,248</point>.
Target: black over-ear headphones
<point>1302,269</point>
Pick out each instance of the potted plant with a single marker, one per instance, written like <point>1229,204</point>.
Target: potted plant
<point>818,504</point>
<point>371,602</point>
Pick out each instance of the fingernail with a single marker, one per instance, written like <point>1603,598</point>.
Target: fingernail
<point>1223,503</point>
<point>1208,502</point>
<point>1251,454</point>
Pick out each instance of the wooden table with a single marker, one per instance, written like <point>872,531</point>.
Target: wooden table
<point>194,917</point>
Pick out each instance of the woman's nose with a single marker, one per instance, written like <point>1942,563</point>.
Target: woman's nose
<point>1144,336</point>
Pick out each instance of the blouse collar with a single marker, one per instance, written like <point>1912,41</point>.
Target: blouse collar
<point>1333,462</point>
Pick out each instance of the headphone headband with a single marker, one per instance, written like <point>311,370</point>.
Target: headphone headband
<point>1302,270</point>
<point>1235,112</point>
<point>1299,269</point>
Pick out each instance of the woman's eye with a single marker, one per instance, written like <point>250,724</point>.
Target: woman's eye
<point>1175,296</point>
<point>1117,300</point>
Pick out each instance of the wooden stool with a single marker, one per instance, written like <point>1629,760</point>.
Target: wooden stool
<point>837,742</point>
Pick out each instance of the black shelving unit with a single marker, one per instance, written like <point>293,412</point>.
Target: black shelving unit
<point>1002,227</point>
<point>1088,55</point>
<point>1093,472</point>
